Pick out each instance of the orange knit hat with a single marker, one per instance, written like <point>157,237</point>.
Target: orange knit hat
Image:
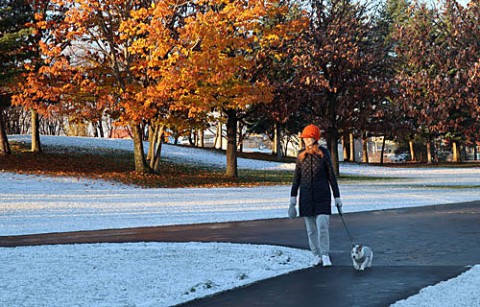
<point>311,131</point>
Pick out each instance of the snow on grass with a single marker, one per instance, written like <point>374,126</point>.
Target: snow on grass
<point>184,154</point>
<point>136,274</point>
<point>35,204</point>
<point>457,176</point>
<point>163,274</point>
<point>461,291</point>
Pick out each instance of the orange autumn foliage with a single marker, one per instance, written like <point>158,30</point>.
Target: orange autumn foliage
<point>157,62</point>
<point>208,62</point>
<point>136,59</point>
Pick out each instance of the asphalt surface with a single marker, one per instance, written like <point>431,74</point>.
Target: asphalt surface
<point>413,248</point>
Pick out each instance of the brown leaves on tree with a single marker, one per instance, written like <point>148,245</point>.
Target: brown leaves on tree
<point>439,50</point>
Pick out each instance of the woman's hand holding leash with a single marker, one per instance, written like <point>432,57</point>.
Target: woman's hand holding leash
<point>339,204</point>
<point>292,212</point>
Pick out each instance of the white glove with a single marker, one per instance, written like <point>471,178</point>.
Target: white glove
<point>293,201</point>
<point>339,204</point>
<point>292,212</point>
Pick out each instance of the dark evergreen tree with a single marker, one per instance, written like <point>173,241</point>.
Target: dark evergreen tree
<point>14,40</point>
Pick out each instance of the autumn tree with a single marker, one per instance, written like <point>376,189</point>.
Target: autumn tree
<point>35,91</point>
<point>264,37</point>
<point>439,49</point>
<point>219,67</point>
<point>158,57</point>
<point>342,66</point>
<point>207,59</point>
<point>281,119</point>
<point>471,72</point>
<point>463,29</point>
<point>388,118</point>
<point>90,51</point>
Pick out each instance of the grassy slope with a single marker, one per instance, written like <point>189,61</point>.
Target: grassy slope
<point>117,165</point>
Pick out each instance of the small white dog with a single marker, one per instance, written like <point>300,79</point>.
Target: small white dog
<point>362,257</point>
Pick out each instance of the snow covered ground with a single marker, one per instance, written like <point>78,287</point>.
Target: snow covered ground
<point>461,291</point>
<point>135,274</point>
<point>33,204</point>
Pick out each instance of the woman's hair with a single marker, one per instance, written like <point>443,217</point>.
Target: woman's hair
<point>312,150</point>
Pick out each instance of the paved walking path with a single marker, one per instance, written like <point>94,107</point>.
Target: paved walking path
<point>413,248</point>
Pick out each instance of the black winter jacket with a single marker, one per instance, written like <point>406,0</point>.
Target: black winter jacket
<point>315,176</point>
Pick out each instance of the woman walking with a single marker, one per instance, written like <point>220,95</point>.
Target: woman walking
<point>314,176</point>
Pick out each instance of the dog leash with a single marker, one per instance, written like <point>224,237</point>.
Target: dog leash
<point>340,212</point>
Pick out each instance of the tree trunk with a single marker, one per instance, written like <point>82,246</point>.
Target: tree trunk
<point>36,145</point>
<point>155,165</point>
<point>352,147</point>
<point>100,128</point>
<point>383,149</point>
<point>412,150</point>
<point>195,138</point>
<point>429,152</point>
<point>345,146</point>
<point>231,153</point>
<point>219,137</point>
<point>240,138</point>
<point>138,154</point>
<point>95,130</point>
<point>285,148</point>
<point>365,149</point>
<point>333,140</point>
<point>4,145</point>
<point>277,144</point>
<point>191,140</point>
<point>202,138</point>
<point>333,133</point>
<point>456,152</point>
<point>475,152</point>
<point>152,136</point>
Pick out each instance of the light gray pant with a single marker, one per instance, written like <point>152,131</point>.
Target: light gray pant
<point>318,235</point>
